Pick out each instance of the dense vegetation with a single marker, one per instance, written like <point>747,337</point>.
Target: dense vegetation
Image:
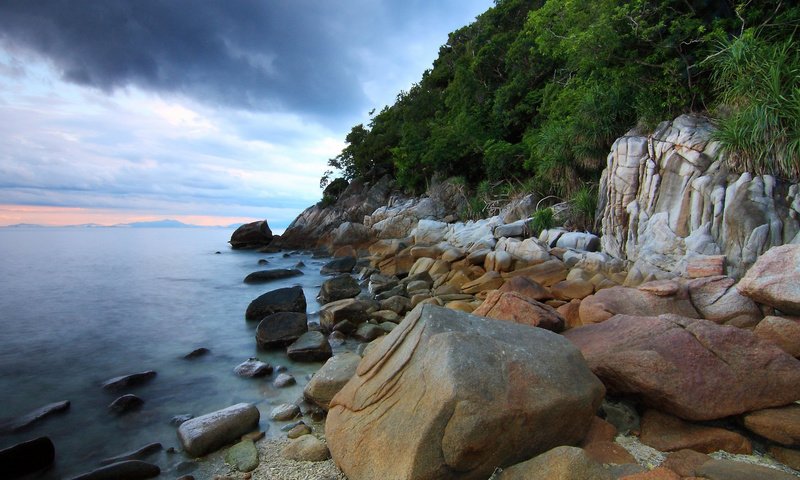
<point>534,91</point>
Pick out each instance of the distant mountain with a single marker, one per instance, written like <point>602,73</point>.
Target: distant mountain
<point>157,224</point>
<point>24,225</point>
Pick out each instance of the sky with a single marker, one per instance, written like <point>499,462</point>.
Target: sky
<point>209,112</point>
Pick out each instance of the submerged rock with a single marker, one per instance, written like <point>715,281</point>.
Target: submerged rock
<point>27,457</point>
<point>252,368</point>
<point>197,353</point>
<point>127,381</point>
<point>243,456</point>
<point>137,454</point>
<point>126,403</point>
<point>27,420</point>
<point>125,470</point>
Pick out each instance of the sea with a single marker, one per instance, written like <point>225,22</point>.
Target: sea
<point>79,306</point>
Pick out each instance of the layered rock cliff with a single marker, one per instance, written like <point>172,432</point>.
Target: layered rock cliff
<point>667,197</point>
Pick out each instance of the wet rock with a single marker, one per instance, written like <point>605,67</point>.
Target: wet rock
<point>243,456</point>
<point>658,359</point>
<point>284,412</point>
<point>668,434</point>
<point>338,265</point>
<point>251,235</point>
<point>30,418</point>
<point>209,432</point>
<point>137,454</point>
<point>428,376</point>
<point>306,448</point>
<point>27,457</point>
<point>310,347</point>
<point>125,470</point>
<point>338,288</point>
<point>252,368</point>
<point>284,380</point>
<point>331,378</point>
<point>128,381</point>
<point>197,353</point>
<point>281,329</point>
<point>264,276</point>
<point>263,261</point>
<point>126,403</point>
<point>516,308</point>
<point>289,299</point>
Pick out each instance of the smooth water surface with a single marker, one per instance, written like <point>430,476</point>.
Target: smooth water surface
<point>79,306</point>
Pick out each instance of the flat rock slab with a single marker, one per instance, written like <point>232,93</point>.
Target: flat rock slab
<point>125,470</point>
<point>560,463</point>
<point>690,368</point>
<point>264,276</point>
<point>310,347</point>
<point>669,434</point>
<point>27,420</point>
<point>127,381</point>
<point>209,432</point>
<point>243,456</point>
<point>450,395</point>
<point>289,299</point>
<point>27,457</point>
<point>517,308</point>
<point>781,425</point>
<point>338,265</point>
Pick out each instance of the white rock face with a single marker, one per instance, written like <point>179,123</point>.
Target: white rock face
<point>668,196</point>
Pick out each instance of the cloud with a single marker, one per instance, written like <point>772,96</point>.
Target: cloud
<point>223,108</point>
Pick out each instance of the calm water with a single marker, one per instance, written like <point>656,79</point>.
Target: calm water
<point>79,306</point>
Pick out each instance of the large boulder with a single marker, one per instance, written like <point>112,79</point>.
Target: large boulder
<point>716,299</point>
<point>690,368</point>
<point>772,280</point>
<point>350,309</point>
<point>209,432</point>
<point>515,307</point>
<point>281,329</point>
<point>251,235</point>
<point>312,346</point>
<point>289,299</point>
<point>329,379</point>
<point>632,301</point>
<point>451,395</point>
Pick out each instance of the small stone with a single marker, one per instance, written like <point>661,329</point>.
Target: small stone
<point>283,380</point>
<point>263,261</point>
<point>298,431</point>
<point>253,436</point>
<point>306,448</point>
<point>284,412</point>
<point>243,456</point>
<point>368,332</point>
<point>310,347</point>
<point>253,368</point>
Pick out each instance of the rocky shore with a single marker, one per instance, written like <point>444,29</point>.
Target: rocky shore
<point>666,348</point>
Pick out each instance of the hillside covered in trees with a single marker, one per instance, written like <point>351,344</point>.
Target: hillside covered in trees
<point>533,93</point>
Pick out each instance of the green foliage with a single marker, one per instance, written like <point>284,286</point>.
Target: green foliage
<point>759,82</point>
<point>583,207</point>
<point>536,91</point>
<point>542,219</point>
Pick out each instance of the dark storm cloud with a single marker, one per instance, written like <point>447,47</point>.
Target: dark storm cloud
<point>280,55</point>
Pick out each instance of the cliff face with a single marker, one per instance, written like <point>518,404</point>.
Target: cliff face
<point>667,197</point>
